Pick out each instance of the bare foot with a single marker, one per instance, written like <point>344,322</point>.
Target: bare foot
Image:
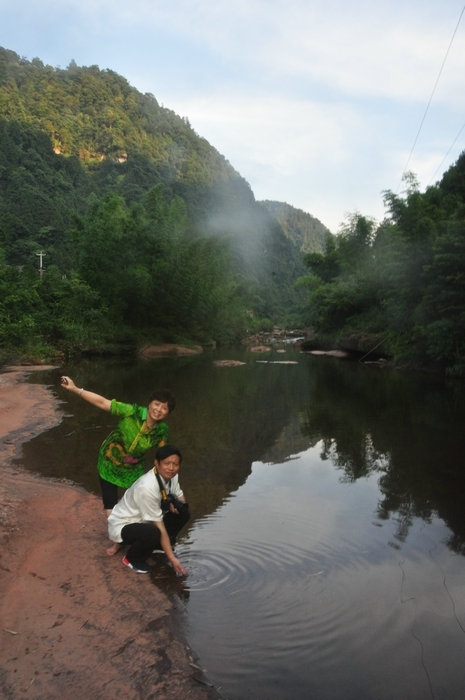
<point>113,549</point>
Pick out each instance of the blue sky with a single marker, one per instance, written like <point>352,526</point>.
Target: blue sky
<point>318,103</point>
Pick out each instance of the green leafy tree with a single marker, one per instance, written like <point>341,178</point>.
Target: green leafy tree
<point>444,302</point>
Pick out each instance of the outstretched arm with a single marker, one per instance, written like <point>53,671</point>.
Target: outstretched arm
<point>89,396</point>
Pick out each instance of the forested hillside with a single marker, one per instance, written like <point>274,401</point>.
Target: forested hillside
<point>144,231</point>
<point>304,230</point>
<point>398,287</point>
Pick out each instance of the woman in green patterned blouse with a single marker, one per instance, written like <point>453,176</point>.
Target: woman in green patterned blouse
<point>121,455</point>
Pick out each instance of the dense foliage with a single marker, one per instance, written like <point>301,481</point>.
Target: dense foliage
<point>304,230</point>
<point>400,284</point>
<point>147,233</point>
<point>144,230</point>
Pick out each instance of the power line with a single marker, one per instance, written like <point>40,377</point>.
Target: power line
<point>448,151</point>
<point>433,91</point>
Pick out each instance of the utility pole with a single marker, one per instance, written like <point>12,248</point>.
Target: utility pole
<point>41,256</point>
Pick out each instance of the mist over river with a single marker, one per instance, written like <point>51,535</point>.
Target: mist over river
<point>326,547</point>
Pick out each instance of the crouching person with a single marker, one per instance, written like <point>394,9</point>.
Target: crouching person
<point>151,513</point>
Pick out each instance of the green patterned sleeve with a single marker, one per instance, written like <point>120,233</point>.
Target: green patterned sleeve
<point>118,408</point>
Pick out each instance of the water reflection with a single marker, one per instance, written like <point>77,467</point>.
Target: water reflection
<point>327,519</point>
<point>406,428</point>
<point>306,598</point>
<point>224,420</point>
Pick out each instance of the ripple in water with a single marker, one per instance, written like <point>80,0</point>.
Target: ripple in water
<point>245,567</point>
<point>288,600</point>
<point>276,599</point>
<point>249,564</point>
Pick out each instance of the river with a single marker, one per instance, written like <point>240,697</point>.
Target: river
<point>326,547</point>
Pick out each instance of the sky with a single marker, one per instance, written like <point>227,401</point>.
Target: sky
<point>321,104</point>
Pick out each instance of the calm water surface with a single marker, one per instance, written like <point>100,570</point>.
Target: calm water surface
<point>325,553</point>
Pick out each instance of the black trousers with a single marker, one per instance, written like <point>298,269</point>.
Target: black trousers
<point>109,493</point>
<point>143,538</point>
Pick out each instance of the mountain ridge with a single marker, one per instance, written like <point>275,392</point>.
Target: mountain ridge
<point>115,191</point>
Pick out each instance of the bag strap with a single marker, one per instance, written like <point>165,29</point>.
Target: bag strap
<point>136,439</point>
<point>160,484</point>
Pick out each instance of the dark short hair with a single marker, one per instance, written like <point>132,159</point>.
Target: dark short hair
<point>166,451</point>
<point>165,396</point>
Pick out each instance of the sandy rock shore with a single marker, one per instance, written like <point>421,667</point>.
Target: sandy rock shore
<point>75,623</point>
